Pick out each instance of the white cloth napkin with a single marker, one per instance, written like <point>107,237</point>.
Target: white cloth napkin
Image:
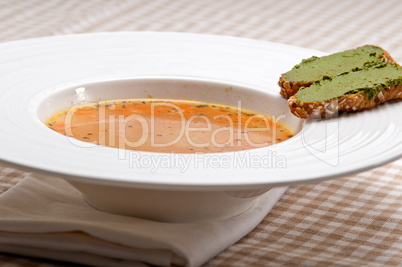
<point>48,218</point>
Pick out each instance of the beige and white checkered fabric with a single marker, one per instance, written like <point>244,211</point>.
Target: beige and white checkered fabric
<point>353,221</point>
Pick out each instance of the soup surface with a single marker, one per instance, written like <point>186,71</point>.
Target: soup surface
<point>178,126</point>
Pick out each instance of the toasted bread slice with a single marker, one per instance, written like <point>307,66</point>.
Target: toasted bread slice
<point>354,91</point>
<point>315,68</point>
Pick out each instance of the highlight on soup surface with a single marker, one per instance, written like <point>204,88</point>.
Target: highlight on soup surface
<point>178,126</point>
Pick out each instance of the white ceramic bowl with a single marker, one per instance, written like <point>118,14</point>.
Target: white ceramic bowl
<point>45,75</point>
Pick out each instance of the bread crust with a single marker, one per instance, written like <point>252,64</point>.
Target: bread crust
<point>348,103</point>
<point>290,88</point>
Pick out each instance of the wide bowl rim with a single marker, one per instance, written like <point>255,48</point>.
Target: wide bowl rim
<point>176,180</point>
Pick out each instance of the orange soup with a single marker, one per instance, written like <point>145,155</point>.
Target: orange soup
<point>167,126</point>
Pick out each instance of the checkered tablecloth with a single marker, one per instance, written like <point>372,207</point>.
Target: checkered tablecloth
<point>351,221</point>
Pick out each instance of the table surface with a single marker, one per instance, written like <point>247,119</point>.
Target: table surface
<point>355,220</point>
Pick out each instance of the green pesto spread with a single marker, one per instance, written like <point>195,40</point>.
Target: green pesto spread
<point>371,81</point>
<point>315,68</point>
